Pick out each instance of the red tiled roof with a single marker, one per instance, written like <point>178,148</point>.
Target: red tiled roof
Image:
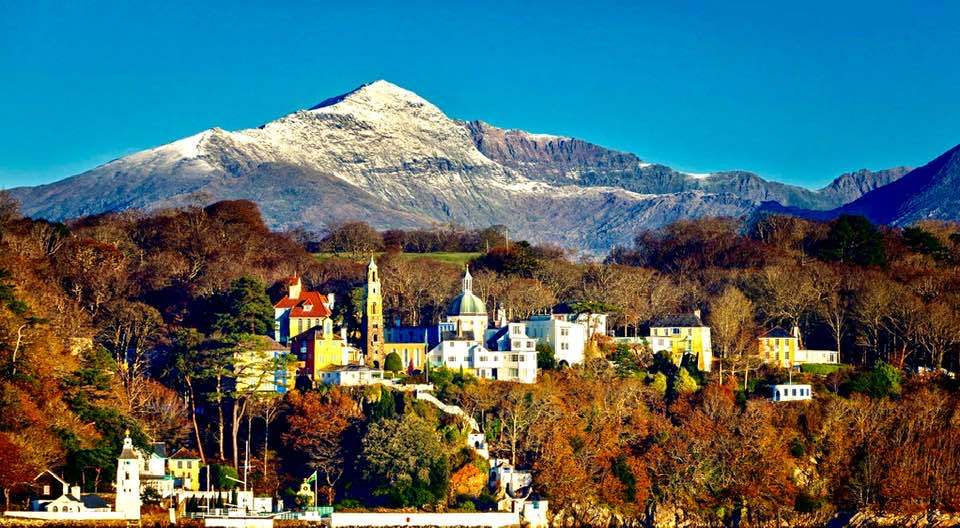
<point>184,453</point>
<point>316,303</point>
<point>286,302</point>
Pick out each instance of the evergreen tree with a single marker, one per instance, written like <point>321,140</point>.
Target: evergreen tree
<point>245,309</point>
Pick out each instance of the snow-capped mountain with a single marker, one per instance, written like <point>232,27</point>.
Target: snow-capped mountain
<point>385,155</point>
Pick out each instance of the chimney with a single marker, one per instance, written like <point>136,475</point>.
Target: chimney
<point>697,313</point>
<point>330,299</point>
<point>75,491</point>
<point>795,332</point>
<point>294,286</point>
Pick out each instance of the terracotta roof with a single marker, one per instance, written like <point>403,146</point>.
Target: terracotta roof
<point>184,453</point>
<point>298,307</point>
<point>312,304</point>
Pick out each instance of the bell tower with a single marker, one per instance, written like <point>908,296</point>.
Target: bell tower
<point>373,317</point>
<point>128,480</point>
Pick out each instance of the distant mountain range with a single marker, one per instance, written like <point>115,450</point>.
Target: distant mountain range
<point>384,155</point>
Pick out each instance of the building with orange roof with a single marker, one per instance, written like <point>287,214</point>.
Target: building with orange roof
<point>300,311</point>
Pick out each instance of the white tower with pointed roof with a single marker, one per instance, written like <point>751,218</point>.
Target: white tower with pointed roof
<point>128,480</point>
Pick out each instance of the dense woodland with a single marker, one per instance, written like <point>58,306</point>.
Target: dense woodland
<point>167,297</point>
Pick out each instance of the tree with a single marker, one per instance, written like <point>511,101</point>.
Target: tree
<point>404,460</point>
<point>546,359</point>
<point>351,237</point>
<point>853,239</point>
<point>245,309</point>
<point>318,426</point>
<point>16,468</point>
<point>731,322</point>
<point>393,363</point>
<point>881,381</point>
<point>187,369</point>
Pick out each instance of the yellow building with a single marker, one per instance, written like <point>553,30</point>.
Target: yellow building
<point>300,311</point>
<point>319,348</point>
<point>778,347</point>
<point>411,354</point>
<point>184,465</point>
<point>683,335</point>
<point>263,365</point>
<point>785,350</point>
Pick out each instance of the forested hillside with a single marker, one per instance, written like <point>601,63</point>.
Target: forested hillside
<point>131,320</point>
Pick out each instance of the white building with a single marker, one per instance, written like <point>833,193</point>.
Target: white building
<point>153,470</point>
<point>595,323</point>
<point>567,338</point>
<point>128,481</point>
<point>817,356</point>
<point>57,496</point>
<point>351,375</point>
<point>512,355</point>
<point>791,392</point>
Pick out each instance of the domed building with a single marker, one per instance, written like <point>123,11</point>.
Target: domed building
<point>468,312</point>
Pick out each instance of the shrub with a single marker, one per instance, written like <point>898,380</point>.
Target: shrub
<point>659,383</point>
<point>393,363</point>
<point>684,383</point>
<point>881,381</point>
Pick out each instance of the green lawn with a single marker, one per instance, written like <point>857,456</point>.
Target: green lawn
<point>820,369</point>
<point>455,258</point>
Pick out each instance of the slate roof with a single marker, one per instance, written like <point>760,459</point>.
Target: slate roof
<point>92,501</point>
<point>159,449</point>
<point>678,320</point>
<point>492,342</point>
<point>128,453</point>
<point>777,332</point>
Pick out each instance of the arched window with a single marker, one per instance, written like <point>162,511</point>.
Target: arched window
<point>55,509</point>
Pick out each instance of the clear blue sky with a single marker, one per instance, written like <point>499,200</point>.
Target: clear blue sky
<point>798,91</point>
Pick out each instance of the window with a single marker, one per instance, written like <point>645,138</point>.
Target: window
<point>675,331</point>
<point>179,464</point>
<point>564,346</point>
<point>46,489</point>
<point>515,344</point>
<point>515,373</point>
<point>564,331</point>
<point>794,392</point>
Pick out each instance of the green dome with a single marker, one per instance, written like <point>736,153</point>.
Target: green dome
<point>466,304</point>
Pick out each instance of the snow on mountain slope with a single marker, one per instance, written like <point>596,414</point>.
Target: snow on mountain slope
<point>385,155</point>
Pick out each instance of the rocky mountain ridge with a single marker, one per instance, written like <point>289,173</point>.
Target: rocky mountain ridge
<point>384,155</point>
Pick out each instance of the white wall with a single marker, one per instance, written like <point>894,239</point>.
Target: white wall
<point>492,519</point>
<point>68,516</point>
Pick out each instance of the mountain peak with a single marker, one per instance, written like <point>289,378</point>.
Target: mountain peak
<point>379,91</point>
